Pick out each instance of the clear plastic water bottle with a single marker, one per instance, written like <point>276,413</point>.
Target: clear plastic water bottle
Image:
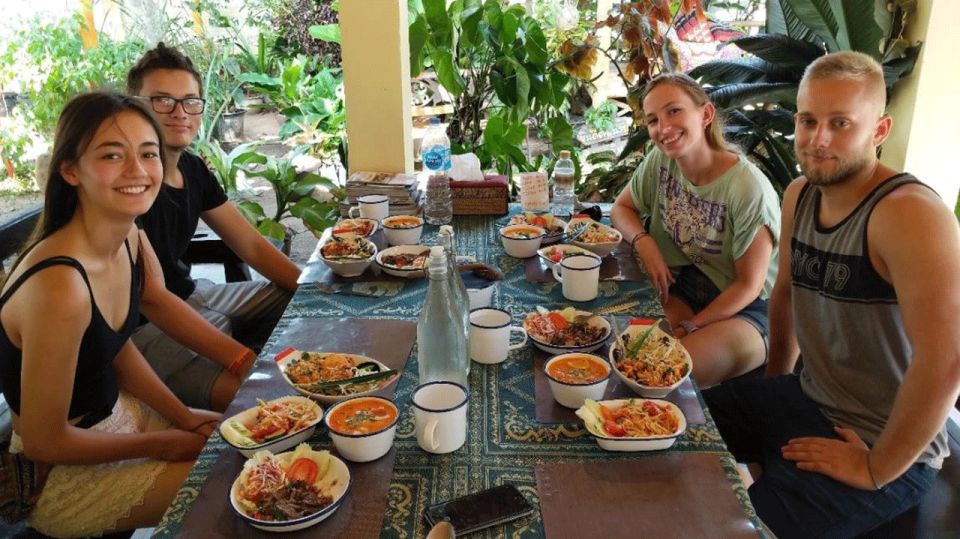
<point>564,197</point>
<point>435,154</point>
<point>441,344</point>
<point>458,289</point>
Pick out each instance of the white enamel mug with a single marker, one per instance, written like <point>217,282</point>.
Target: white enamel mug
<point>580,276</point>
<point>440,416</point>
<point>372,207</point>
<point>490,331</point>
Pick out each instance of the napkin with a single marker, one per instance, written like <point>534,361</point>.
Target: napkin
<point>465,167</point>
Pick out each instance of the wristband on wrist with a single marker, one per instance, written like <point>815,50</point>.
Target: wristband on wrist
<point>237,367</point>
<point>638,236</point>
<point>689,326</point>
<point>876,486</point>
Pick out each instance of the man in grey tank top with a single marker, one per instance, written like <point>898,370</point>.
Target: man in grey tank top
<point>868,295</point>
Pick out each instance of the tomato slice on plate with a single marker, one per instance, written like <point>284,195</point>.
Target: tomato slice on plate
<point>613,429</point>
<point>559,322</point>
<point>303,470</point>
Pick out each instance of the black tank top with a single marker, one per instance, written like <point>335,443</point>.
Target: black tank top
<point>95,388</point>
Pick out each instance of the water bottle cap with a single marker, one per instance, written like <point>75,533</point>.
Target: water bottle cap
<point>446,229</point>
<point>564,154</point>
<point>434,121</point>
<point>437,252</point>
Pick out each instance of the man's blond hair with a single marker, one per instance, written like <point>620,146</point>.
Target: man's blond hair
<point>848,65</point>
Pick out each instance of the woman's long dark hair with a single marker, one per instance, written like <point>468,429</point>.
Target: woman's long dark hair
<point>80,119</point>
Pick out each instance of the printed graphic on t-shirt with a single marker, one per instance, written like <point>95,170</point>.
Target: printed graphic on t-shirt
<point>695,224</point>
<point>842,277</point>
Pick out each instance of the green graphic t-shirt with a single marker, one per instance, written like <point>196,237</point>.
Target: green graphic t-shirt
<point>710,226</point>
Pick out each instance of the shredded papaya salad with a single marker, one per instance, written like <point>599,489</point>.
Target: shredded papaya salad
<point>653,358</point>
<point>272,491</point>
<point>635,419</point>
<point>275,419</point>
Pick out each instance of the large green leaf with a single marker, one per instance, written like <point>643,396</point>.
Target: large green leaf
<point>470,19</point>
<point>535,43</point>
<point>561,133</point>
<point>326,32</point>
<point>521,82</point>
<point>509,23</point>
<point>780,49</point>
<point>894,70</point>
<point>819,16</point>
<point>738,95</point>
<point>637,141</point>
<point>860,26</point>
<point>441,27</point>
<point>272,229</point>
<point>447,72</point>
<point>749,69</point>
<point>419,32</point>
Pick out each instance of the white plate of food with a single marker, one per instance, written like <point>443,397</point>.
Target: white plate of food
<point>348,256</point>
<point>566,330</point>
<point>359,226</point>
<point>553,254</point>
<point>593,236</point>
<point>553,226</point>
<point>654,362</point>
<point>633,424</point>
<point>275,425</point>
<point>404,260</point>
<point>331,377</point>
<point>290,491</point>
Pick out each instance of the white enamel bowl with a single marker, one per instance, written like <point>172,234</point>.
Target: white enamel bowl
<point>349,267</point>
<point>344,228</point>
<point>336,481</point>
<point>398,229</point>
<point>408,272</point>
<point>600,249</point>
<point>647,443</point>
<point>521,247</point>
<point>572,395</point>
<point>650,392</point>
<point>363,447</point>
<point>285,358</point>
<point>554,349</point>
<point>274,445</point>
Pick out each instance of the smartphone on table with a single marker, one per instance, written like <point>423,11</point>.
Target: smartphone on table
<point>480,510</point>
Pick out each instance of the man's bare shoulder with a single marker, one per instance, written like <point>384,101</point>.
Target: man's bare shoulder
<point>912,205</point>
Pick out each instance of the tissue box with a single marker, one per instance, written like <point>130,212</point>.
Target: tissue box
<point>487,197</point>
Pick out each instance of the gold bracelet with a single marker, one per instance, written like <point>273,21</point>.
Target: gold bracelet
<point>876,486</point>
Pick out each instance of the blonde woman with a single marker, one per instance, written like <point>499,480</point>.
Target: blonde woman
<point>704,223</point>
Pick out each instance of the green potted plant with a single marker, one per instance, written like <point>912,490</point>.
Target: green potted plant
<point>293,195</point>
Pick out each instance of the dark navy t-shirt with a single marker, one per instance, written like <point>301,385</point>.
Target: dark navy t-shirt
<point>172,220</point>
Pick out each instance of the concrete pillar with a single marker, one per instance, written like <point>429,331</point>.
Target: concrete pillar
<point>924,108</point>
<point>603,84</point>
<point>376,78</point>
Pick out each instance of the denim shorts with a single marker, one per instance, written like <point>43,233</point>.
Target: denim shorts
<point>756,417</point>
<point>697,291</point>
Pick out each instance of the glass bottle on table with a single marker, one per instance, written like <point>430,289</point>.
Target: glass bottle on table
<point>458,289</point>
<point>564,197</point>
<point>441,341</point>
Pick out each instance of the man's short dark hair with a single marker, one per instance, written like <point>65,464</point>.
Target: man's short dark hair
<point>160,57</point>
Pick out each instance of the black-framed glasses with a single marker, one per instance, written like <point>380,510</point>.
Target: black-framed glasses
<point>164,104</point>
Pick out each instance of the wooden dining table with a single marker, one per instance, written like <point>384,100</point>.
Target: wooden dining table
<point>516,433</point>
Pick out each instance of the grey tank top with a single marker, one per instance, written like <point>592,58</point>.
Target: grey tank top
<point>847,320</point>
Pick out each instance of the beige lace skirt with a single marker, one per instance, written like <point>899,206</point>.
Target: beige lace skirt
<point>85,500</point>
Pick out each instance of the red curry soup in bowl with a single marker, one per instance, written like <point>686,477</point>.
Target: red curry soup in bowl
<point>576,377</point>
<point>362,428</point>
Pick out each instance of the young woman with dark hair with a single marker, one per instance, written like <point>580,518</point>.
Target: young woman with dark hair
<point>84,400</point>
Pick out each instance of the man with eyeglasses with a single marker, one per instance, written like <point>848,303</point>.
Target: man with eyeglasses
<point>209,377</point>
